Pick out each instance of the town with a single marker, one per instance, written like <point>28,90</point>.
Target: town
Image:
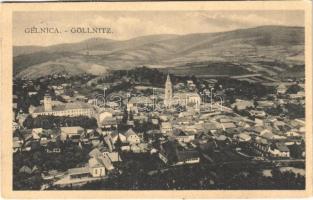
<point>146,128</point>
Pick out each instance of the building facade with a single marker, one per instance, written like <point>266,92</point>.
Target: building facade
<point>63,109</point>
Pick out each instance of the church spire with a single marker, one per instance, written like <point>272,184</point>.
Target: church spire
<point>168,78</point>
<point>168,92</point>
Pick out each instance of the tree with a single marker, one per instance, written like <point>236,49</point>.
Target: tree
<point>295,111</point>
<point>236,109</point>
<point>293,89</point>
<point>28,122</point>
<point>255,103</point>
<point>130,116</point>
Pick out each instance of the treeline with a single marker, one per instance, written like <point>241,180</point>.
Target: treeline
<point>244,89</point>
<point>71,157</point>
<point>293,111</point>
<point>199,178</point>
<point>50,121</point>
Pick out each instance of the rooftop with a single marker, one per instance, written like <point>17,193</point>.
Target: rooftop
<point>80,170</point>
<point>282,147</point>
<point>72,129</point>
<point>64,106</point>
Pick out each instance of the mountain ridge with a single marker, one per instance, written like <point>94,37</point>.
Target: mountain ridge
<point>242,45</point>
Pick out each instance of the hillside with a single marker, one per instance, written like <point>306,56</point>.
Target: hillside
<point>272,50</point>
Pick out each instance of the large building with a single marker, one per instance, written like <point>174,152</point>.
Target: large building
<point>185,99</point>
<point>172,153</point>
<point>63,109</point>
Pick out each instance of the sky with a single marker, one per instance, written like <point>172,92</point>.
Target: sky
<point>130,24</point>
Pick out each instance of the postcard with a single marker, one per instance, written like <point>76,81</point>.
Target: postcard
<point>156,99</point>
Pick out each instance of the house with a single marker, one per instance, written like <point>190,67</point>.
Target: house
<point>183,136</point>
<point>166,128</point>
<point>107,162</point>
<point>265,104</point>
<point>212,126</point>
<point>70,132</point>
<point>279,150</point>
<point>113,105</point>
<point>267,134</point>
<point>135,148</point>
<point>228,125</point>
<point>52,174</point>
<point>244,137</point>
<point>84,172</point>
<point>221,138</point>
<point>155,121</point>
<point>189,82</point>
<point>14,108</point>
<point>36,133</point>
<point>43,140</point>
<point>31,93</point>
<point>96,167</point>
<point>186,114</point>
<point>186,120</point>
<point>15,126</point>
<point>281,89</point>
<point>292,134</point>
<point>243,124</point>
<point>139,103</point>
<point>108,124</point>
<point>275,135</point>
<point>173,154</point>
<point>164,118</point>
<point>17,145</point>
<point>258,122</point>
<point>298,95</point>
<point>104,115</point>
<point>98,158</point>
<point>125,148</point>
<point>53,147</point>
<point>242,104</point>
<point>132,137</point>
<point>257,113</point>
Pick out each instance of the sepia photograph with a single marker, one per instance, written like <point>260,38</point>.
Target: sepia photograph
<point>159,100</point>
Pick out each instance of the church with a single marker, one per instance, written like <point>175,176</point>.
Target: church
<point>185,99</point>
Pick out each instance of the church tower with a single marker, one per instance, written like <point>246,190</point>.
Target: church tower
<point>168,92</point>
